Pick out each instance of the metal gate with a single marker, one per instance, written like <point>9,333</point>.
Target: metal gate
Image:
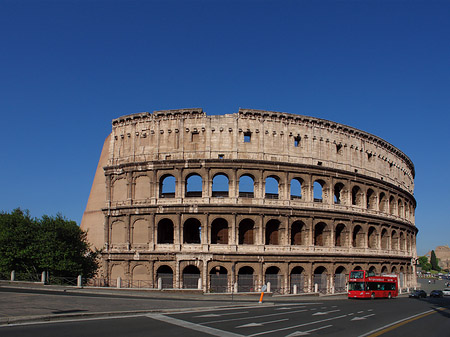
<point>246,283</point>
<point>275,283</point>
<point>299,281</point>
<point>190,281</point>
<point>321,281</point>
<point>218,283</point>
<point>340,281</point>
<point>166,280</point>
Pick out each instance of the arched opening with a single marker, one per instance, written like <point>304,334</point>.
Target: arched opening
<point>140,232</point>
<point>372,238</point>
<point>357,268</point>
<point>382,203</point>
<point>400,209</point>
<point>165,274</point>
<point>167,186</point>
<point>271,187</point>
<point>141,277</point>
<point>384,239</point>
<point>337,193</point>
<point>402,242</point>
<point>273,276</point>
<point>116,272</point>
<point>371,199</point>
<point>220,186</point>
<point>273,232</point>
<point>318,190</point>
<point>246,232</point>
<point>384,270</point>
<point>297,280</point>
<point>296,188</point>
<point>191,276</point>
<point>218,279</point>
<point>219,231</point>
<point>117,232</point>
<point>358,237</point>
<point>246,280</point>
<point>372,271</point>
<point>321,279</point>
<point>194,186</point>
<point>394,241</point>
<point>165,231</point>
<point>246,186</point>
<point>192,230</point>
<point>356,196</point>
<point>297,233</point>
<point>340,279</point>
<point>320,238</point>
<point>339,238</point>
<point>391,205</point>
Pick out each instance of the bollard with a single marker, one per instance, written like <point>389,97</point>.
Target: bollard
<point>159,283</point>
<point>119,281</point>
<point>295,289</point>
<point>268,287</point>
<point>43,277</point>
<point>199,283</point>
<point>13,275</point>
<point>79,281</point>
<point>316,288</point>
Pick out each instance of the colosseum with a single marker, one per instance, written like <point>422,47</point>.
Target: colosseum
<point>229,203</point>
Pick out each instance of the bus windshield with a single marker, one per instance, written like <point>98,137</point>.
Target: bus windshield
<point>356,286</point>
<point>357,274</point>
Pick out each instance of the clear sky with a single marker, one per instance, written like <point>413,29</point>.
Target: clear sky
<point>67,68</point>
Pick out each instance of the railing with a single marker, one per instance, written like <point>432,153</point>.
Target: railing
<point>246,194</point>
<point>66,281</point>
<point>271,195</point>
<point>220,194</point>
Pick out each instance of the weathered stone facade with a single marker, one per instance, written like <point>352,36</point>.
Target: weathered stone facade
<point>182,200</point>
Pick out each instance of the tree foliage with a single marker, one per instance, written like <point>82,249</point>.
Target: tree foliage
<point>52,244</point>
<point>434,261</point>
<point>424,264</point>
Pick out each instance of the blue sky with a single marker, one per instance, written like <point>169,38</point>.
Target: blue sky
<point>67,68</point>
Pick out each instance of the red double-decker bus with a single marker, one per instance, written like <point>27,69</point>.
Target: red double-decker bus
<point>363,284</point>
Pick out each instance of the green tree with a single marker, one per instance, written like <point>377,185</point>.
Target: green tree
<point>424,264</point>
<point>434,261</point>
<point>52,244</point>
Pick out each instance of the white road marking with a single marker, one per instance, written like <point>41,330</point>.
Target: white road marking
<point>362,317</point>
<point>193,326</point>
<point>251,317</point>
<point>304,333</point>
<point>261,324</point>
<point>286,308</point>
<point>324,312</point>
<point>297,326</point>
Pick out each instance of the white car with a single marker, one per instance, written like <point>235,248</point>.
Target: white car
<point>446,291</point>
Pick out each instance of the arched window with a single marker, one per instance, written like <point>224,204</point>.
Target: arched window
<point>318,190</point>
<point>297,280</point>
<point>337,192</point>
<point>220,186</point>
<point>191,275</point>
<point>320,238</point>
<point>384,239</point>
<point>392,205</point>
<point>272,232</point>
<point>394,241</point>
<point>372,238</point>
<point>382,203</point>
<point>371,199</point>
<point>273,277</point>
<point>296,188</point>
<point>165,231</point>
<point>400,208</point>
<point>219,231</point>
<point>271,187</point>
<point>192,230</point>
<point>246,186</point>
<point>358,237</point>
<point>339,237</point>
<point>297,233</point>
<point>356,196</point>
<point>194,186</point>
<point>246,280</point>
<point>246,232</point>
<point>165,273</point>
<point>167,186</point>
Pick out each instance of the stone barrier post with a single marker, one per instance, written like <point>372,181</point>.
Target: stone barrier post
<point>79,281</point>
<point>13,275</point>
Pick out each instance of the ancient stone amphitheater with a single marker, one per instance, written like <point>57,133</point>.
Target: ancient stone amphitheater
<point>231,202</point>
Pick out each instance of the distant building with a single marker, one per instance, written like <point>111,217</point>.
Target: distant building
<point>231,202</point>
<point>443,256</point>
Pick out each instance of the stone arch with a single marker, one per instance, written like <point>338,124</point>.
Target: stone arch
<point>402,242</point>
<point>273,275</point>
<point>165,273</point>
<point>338,189</point>
<point>400,208</point>
<point>296,188</point>
<point>358,237</point>
<point>298,233</point>
<point>384,239</point>
<point>357,196</point>
<point>372,238</point>
<point>372,270</point>
<point>117,270</point>
<point>319,186</point>
<point>371,199</point>
<point>165,231</point>
<point>340,239</point>
<point>320,278</point>
<point>392,205</point>
<point>384,270</point>
<point>140,232</point>
<point>220,185</point>
<point>219,231</point>
<point>272,187</point>
<point>394,240</point>
<point>120,189</point>
<point>218,279</point>
<point>246,279</point>
<point>191,276</point>
<point>140,276</point>
<point>142,187</point>
<point>192,229</point>
<point>246,186</point>
<point>118,232</point>
<point>247,232</point>
<point>194,185</point>
<point>167,186</point>
<point>382,203</point>
<point>321,234</point>
<point>340,279</point>
<point>297,280</point>
<point>273,232</point>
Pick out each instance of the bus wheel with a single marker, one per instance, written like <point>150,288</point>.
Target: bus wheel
<point>389,296</point>
<point>372,296</point>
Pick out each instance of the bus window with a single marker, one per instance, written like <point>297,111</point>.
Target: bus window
<point>356,286</point>
<point>357,274</point>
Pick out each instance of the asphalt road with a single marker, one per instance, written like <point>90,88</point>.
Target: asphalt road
<point>397,317</point>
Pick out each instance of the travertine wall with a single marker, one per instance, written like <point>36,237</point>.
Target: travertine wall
<point>364,216</point>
